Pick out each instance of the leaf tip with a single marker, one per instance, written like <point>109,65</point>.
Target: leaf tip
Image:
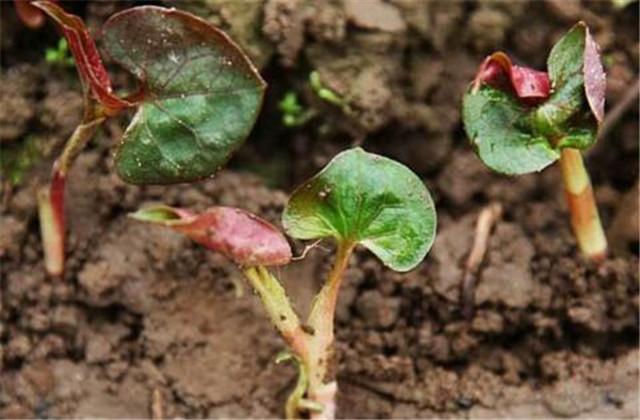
<point>244,238</point>
<point>158,214</point>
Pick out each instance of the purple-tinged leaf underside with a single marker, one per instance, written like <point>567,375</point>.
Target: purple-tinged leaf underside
<point>239,235</point>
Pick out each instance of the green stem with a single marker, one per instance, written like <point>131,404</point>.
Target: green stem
<point>313,343</point>
<point>76,143</point>
<point>296,400</point>
<point>585,219</point>
<point>279,308</point>
<point>285,319</point>
<point>322,387</point>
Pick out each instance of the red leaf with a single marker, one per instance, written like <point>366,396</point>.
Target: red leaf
<point>595,80</point>
<point>86,55</point>
<point>239,235</point>
<point>532,86</point>
<point>28,14</point>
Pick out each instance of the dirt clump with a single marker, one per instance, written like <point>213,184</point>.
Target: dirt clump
<point>145,315</point>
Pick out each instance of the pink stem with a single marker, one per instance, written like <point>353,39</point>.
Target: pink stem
<point>52,222</point>
<point>322,386</point>
<point>51,200</point>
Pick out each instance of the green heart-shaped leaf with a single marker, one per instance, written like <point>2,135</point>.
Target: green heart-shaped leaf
<point>497,126</point>
<point>364,198</point>
<point>201,95</point>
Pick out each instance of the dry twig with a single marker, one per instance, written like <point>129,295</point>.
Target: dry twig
<point>157,409</point>
<point>487,218</point>
<point>613,117</point>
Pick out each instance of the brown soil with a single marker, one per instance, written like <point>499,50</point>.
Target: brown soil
<point>144,316</point>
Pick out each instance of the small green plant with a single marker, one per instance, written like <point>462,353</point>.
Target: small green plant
<point>59,55</point>
<point>359,198</point>
<point>197,100</point>
<point>521,120</point>
<point>324,92</point>
<point>293,113</point>
<point>17,158</point>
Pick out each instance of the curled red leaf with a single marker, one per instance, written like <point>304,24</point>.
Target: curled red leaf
<point>529,85</point>
<point>31,16</point>
<point>86,55</point>
<point>239,235</point>
<point>595,80</point>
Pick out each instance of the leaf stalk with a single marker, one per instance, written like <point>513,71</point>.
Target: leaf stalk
<point>311,343</point>
<point>322,388</point>
<point>585,219</point>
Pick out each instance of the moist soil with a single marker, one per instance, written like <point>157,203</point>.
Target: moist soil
<point>146,323</point>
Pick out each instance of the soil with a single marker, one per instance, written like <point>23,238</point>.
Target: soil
<point>145,319</point>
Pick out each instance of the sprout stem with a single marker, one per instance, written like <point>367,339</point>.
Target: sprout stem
<point>311,343</point>
<point>321,320</point>
<point>52,224</point>
<point>51,199</point>
<point>285,319</point>
<point>584,213</point>
<point>279,308</point>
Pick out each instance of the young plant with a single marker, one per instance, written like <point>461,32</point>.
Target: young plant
<point>327,94</point>
<point>197,100</point>
<point>359,198</point>
<point>521,120</point>
<point>293,113</point>
<point>59,55</point>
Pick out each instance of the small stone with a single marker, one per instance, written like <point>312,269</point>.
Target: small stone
<point>570,398</point>
<point>66,319</point>
<point>18,347</point>
<point>116,370</point>
<point>487,322</point>
<point>374,14</point>
<point>98,349</point>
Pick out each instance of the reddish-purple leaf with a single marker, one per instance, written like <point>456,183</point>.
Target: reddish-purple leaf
<point>531,86</point>
<point>595,81</point>
<point>28,14</point>
<point>239,235</point>
<point>86,55</point>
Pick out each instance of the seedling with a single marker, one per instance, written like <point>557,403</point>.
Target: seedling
<point>358,199</point>
<point>59,55</point>
<point>324,92</point>
<point>293,113</point>
<point>521,120</point>
<point>197,100</point>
